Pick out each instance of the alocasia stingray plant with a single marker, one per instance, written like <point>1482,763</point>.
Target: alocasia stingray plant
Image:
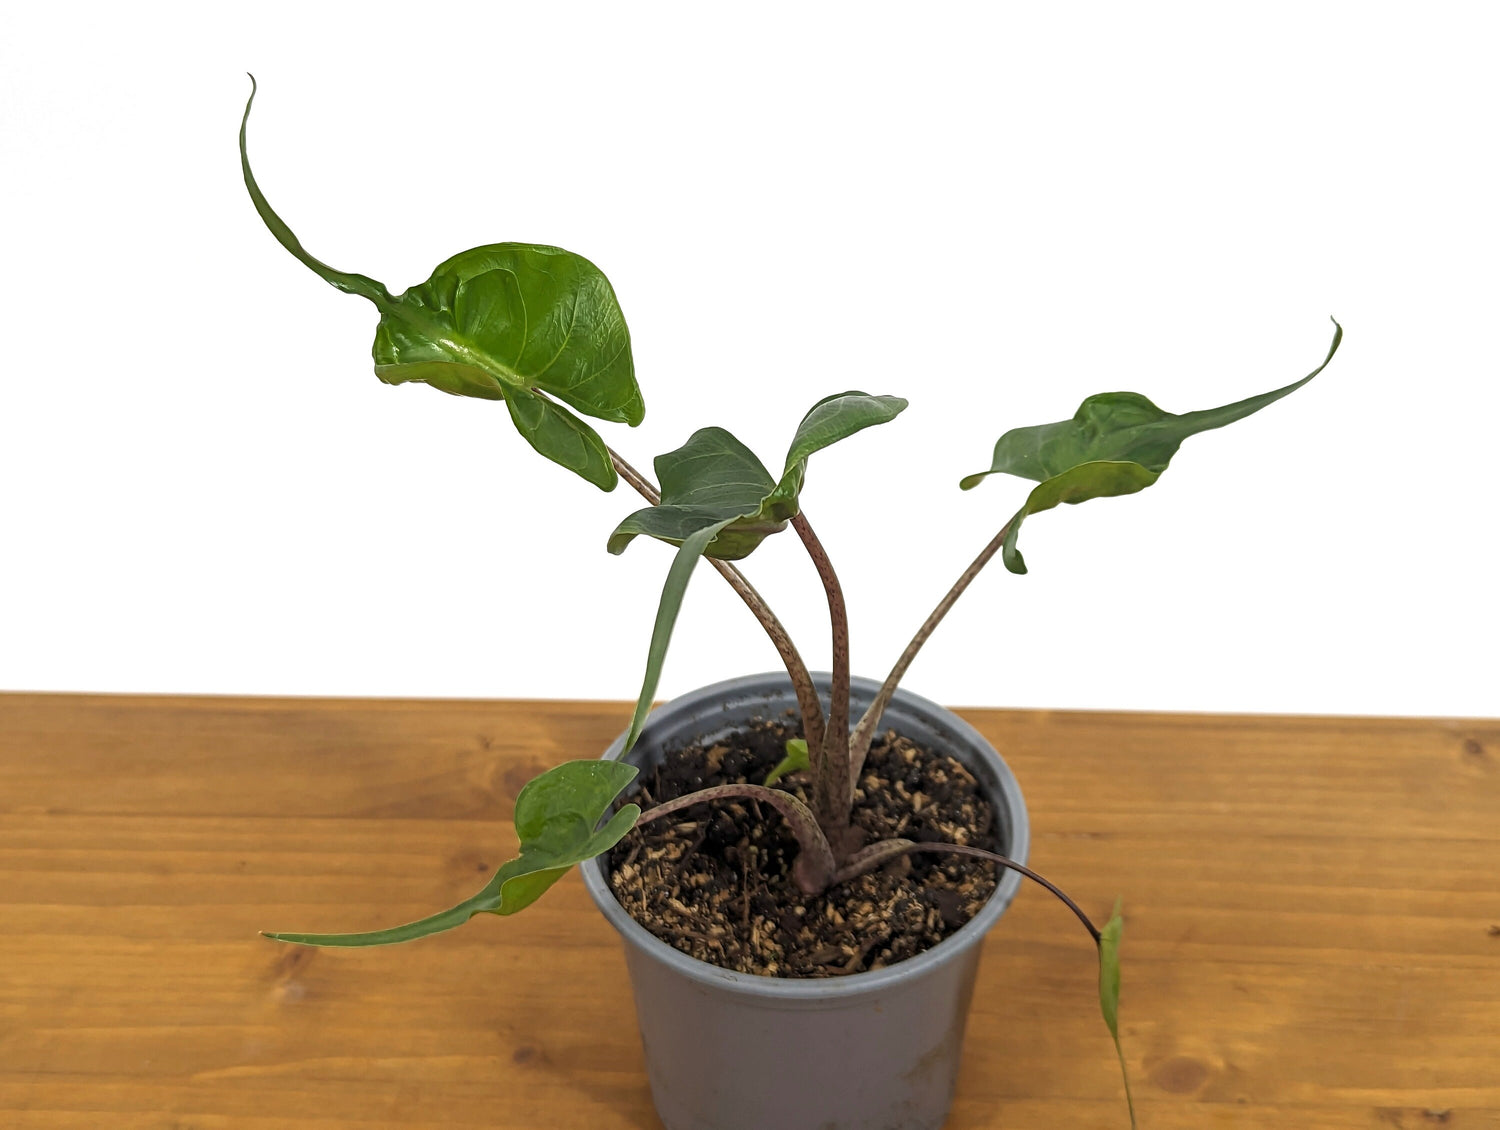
<point>540,328</point>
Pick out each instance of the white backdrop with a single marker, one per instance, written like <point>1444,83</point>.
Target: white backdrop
<point>993,210</point>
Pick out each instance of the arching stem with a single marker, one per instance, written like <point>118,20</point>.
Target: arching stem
<point>886,850</point>
<point>814,868</point>
<point>833,786</point>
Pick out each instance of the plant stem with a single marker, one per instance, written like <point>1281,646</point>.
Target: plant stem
<point>864,733</point>
<point>887,850</point>
<point>832,782</point>
<point>802,684</point>
<point>814,866</point>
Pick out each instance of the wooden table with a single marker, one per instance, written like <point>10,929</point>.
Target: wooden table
<point>1312,934</point>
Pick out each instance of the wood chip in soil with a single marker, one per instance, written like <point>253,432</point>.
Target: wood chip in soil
<point>715,882</point>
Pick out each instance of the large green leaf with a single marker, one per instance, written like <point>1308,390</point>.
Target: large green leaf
<point>509,321</point>
<point>1109,991</point>
<point>557,819</point>
<point>1116,443</point>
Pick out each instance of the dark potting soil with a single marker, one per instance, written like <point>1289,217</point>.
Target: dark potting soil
<point>715,882</point>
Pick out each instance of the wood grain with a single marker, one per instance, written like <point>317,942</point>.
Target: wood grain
<point>1312,934</point>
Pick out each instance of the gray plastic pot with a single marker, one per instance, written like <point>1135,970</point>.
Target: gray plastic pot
<point>870,1051</point>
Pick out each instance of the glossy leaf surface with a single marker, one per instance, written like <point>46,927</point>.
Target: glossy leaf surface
<point>509,321</point>
<point>1116,443</point>
<point>556,816</point>
<point>795,761</point>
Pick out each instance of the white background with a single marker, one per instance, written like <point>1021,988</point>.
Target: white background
<point>993,210</point>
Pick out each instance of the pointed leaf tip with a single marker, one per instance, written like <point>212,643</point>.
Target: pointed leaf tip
<point>1109,992</point>
<point>1116,443</point>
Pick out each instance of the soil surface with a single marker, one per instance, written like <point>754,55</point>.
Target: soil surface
<point>715,882</point>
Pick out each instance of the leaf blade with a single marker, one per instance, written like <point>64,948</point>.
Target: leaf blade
<point>346,281</point>
<point>1120,427</point>
<point>1109,992</point>
<point>1077,484</point>
<point>796,760</point>
<point>1116,443</point>
<point>562,437</point>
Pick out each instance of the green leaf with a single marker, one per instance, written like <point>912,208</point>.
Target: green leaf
<point>508,321</point>
<point>829,420</point>
<point>714,478</point>
<point>557,819</point>
<point>672,593</point>
<point>1109,991</point>
<point>515,315</point>
<point>561,436</point>
<point>1116,443</point>
<point>796,759</point>
<point>1076,484</point>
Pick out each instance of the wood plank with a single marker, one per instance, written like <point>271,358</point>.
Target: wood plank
<point>1312,939</point>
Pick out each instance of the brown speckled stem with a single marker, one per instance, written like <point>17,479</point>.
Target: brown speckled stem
<point>864,733</point>
<point>813,871</point>
<point>886,850</point>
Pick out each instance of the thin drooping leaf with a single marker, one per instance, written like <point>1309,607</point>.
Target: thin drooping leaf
<point>509,321</point>
<point>795,761</point>
<point>1109,992</point>
<point>672,593</point>
<point>1116,443</point>
<point>557,820</point>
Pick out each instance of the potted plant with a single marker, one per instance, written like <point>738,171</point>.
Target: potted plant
<point>814,859</point>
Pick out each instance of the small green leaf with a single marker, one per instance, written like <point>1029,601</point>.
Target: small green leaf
<point>561,436</point>
<point>1109,991</point>
<point>557,819</point>
<point>796,759</point>
<point>711,479</point>
<point>829,420</point>
<point>672,593</point>
<point>715,478</point>
<point>1116,443</point>
<point>507,321</point>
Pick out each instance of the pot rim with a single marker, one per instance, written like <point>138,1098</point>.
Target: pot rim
<point>854,984</point>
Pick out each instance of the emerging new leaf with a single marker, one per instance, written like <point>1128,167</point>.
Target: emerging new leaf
<point>510,321</point>
<point>795,761</point>
<point>718,499</point>
<point>557,819</point>
<point>1116,443</point>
